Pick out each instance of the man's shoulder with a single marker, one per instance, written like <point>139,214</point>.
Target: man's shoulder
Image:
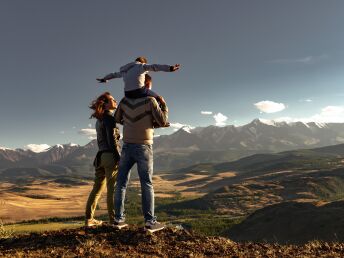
<point>149,102</point>
<point>147,99</point>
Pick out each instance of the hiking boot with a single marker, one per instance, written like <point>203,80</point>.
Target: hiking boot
<point>93,222</point>
<point>153,226</point>
<point>120,224</point>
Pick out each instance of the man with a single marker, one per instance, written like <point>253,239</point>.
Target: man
<point>137,116</point>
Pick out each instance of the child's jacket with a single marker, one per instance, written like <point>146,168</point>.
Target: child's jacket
<point>133,74</point>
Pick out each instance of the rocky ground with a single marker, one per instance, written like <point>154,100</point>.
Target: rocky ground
<point>106,241</point>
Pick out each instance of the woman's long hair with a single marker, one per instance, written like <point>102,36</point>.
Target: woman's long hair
<point>98,105</point>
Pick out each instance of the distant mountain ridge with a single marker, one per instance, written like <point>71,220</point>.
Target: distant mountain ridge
<point>257,135</point>
<point>202,144</point>
<point>59,154</point>
<point>220,144</point>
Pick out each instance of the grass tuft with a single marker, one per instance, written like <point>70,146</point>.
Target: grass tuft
<point>6,232</point>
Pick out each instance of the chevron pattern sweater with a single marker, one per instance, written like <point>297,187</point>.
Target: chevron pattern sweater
<point>137,115</point>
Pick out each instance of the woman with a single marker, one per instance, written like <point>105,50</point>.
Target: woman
<point>106,161</point>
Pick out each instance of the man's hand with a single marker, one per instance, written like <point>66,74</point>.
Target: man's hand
<point>161,100</point>
<point>175,67</point>
<point>101,80</point>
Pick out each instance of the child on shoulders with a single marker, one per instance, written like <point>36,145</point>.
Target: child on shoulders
<point>133,75</point>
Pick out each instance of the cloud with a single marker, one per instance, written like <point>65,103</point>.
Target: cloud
<point>334,114</point>
<point>4,148</point>
<point>304,60</point>
<point>62,132</point>
<point>206,112</point>
<point>268,106</point>
<point>90,133</point>
<point>37,147</point>
<point>329,114</point>
<point>220,119</point>
<point>177,126</point>
<point>90,125</point>
<point>306,100</point>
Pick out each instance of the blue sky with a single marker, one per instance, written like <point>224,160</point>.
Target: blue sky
<point>268,59</point>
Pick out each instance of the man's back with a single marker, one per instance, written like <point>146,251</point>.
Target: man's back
<point>137,115</point>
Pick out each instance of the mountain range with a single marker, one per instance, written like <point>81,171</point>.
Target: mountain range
<point>257,135</point>
<point>219,144</point>
<point>188,146</point>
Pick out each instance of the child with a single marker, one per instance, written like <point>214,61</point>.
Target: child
<point>133,75</point>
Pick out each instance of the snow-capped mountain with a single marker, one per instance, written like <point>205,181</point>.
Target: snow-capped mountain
<point>55,154</point>
<point>189,146</point>
<point>257,135</point>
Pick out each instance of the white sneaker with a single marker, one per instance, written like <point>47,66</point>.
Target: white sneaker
<point>153,226</point>
<point>93,222</point>
<point>120,224</point>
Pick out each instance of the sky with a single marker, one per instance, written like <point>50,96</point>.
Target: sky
<point>240,60</point>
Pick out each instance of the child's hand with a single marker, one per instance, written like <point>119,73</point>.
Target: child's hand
<point>101,80</point>
<point>175,67</point>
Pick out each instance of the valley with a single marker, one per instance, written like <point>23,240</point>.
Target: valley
<point>53,186</point>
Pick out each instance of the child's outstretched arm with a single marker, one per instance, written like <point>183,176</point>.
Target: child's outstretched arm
<point>109,77</point>
<point>160,68</point>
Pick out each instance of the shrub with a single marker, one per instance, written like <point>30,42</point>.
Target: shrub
<point>5,232</point>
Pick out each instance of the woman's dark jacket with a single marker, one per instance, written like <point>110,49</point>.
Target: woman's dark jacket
<point>108,135</point>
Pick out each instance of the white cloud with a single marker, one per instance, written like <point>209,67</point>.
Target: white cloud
<point>306,100</point>
<point>90,125</point>
<point>4,148</point>
<point>268,106</point>
<point>177,126</point>
<point>303,60</point>
<point>206,112</point>
<point>329,114</point>
<point>37,147</point>
<point>62,132</point>
<point>220,119</point>
<point>90,133</point>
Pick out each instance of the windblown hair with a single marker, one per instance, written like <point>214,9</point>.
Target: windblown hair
<point>98,105</point>
<point>141,59</point>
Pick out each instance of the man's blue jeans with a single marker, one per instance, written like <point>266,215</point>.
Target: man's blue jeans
<point>142,155</point>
